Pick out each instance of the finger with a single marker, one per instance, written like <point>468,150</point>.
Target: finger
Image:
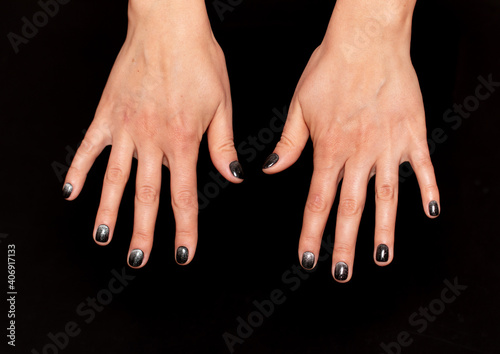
<point>221,145</point>
<point>351,204</point>
<point>386,201</point>
<point>115,179</point>
<point>422,165</point>
<point>292,142</point>
<point>147,196</point>
<point>92,145</point>
<point>317,210</point>
<point>183,190</point>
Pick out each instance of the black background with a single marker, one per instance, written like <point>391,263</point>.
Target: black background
<point>248,233</point>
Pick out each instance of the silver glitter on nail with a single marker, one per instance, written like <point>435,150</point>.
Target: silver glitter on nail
<point>182,255</point>
<point>135,258</point>
<point>341,271</point>
<point>102,234</point>
<point>271,161</point>
<point>382,253</point>
<point>236,169</point>
<point>308,260</point>
<point>433,208</point>
<point>67,189</point>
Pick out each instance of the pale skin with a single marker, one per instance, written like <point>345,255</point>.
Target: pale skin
<point>359,101</point>
<point>168,86</point>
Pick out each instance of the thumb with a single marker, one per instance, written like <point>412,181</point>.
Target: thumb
<point>221,145</point>
<point>292,142</point>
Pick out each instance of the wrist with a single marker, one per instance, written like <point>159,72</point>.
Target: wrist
<point>371,24</point>
<point>389,13</point>
<point>188,12</point>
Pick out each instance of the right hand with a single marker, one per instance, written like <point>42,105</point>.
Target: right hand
<point>168,86</point>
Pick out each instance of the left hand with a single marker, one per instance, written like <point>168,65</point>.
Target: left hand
<point>363,109</point>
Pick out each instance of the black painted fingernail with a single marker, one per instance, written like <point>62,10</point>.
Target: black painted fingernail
<point>67,189</point>
<point>382,253</point>
<point>308,260</point>
<point>433,208</point>
<point>236,169</point>
<point>182,255</point>
<point>135,258</point>
<point>102,234</point>
<point>341,271</point>
<point>271,160</point>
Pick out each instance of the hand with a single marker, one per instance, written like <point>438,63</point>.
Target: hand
<point>361,104</point>
<point>169,84</point>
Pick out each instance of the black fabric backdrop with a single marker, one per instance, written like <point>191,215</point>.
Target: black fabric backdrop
<point>248,233</point>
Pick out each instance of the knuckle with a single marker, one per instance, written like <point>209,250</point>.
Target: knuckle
<point>349,207</point>
<point>342,248</point>
<point>183,133</point>
<point>326,142</point>
<point>421,144</point>
<point>286,140</point>
<point>226,146</point>
<point>325,156</point>
<point>384,229</point>
<point>74,171</point>
<point>430,188</point>
<point>184,234</point>
<point>115,175</point>
<point>316,204</point>
<point>184,200</point>
<point>385,192</point>
<point>310,239</point>
<point>86,146</point>
<point>147,126</point>
<point>106,213</point>
<point>146,194</point>
<point>89,142</point>
<point>143,236</point>
<point>423,161</point>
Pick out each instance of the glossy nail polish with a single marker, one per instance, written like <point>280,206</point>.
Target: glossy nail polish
<point>308,260</point>
<point>382,253</point>
<point>271,160</point>
<point>182,255</point>
<point>102,234</point>
<point>433,208</point>
<point>236,169</point>
<point>341,271</point>
<point>67,189</point>
<point>135,258</point>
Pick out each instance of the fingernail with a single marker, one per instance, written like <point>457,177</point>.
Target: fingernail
<point>271,160</point>
<point>102,234</point>
<point>308,260</point>
<point>341,271</point>
<point>182,255</point>
<point>67,189</point>
<point>433,208</point>
<point>382,253</point>
<point>135,258</point>
<point>236,169</point>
